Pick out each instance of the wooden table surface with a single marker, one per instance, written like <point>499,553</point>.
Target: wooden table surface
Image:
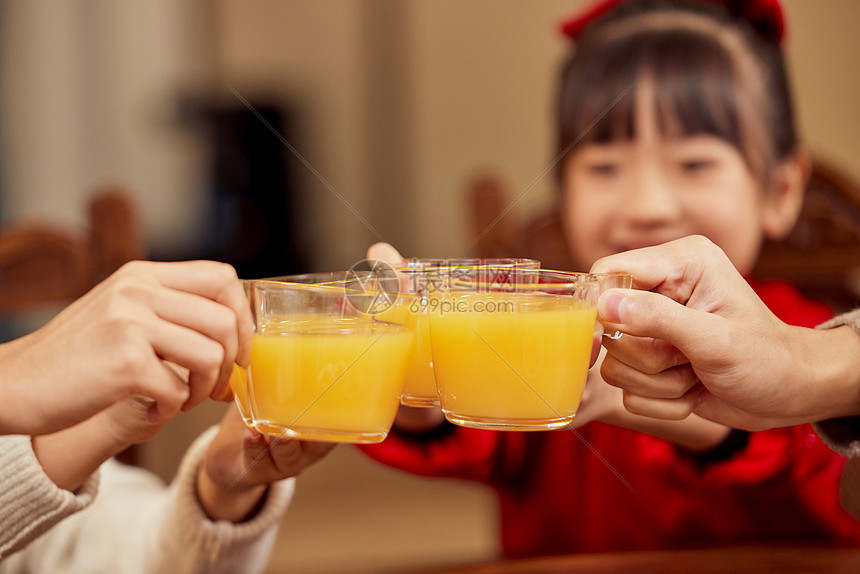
<point>746,560</point>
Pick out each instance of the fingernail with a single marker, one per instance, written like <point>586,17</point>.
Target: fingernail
<point>252,436</point>
<point>152,414</point>
<point>612,307</point>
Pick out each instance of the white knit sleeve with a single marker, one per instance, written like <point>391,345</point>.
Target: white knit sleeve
<point>137,525</point>
<point>30,502</point>
<point>188,541</point>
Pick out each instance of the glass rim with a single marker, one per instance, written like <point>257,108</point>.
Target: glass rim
<point>294,277</point>
<point>605,274</point>
<point>420,264</point>
<point>333,287</point>
<point>576,280</point>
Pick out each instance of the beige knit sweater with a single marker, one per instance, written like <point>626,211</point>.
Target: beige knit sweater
<point>135,525</point>
<point>843,435</point>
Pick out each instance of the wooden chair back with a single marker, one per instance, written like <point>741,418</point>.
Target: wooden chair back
<point>44,265</point>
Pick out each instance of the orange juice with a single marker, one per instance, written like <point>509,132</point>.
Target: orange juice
<point>419,389</point>
<point>420,386</point>
<point>239,385</point>
<point>512,360</point>
<point>327,378</point>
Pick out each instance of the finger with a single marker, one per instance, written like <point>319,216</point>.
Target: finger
<point>213,280</point>
<point>288,457</point>
<point>316,450</point>
<point>167,390</point>
<point>233,296</point>
<point>645,354</point>
<point>212,319</point>
<point>668,409</point>
<point>384,252</point>
<point>255,449</point>
<point>254,465</point>
<point>269,458</point>
<point>646,314</point>
<point>201,355</point>
<point>672,383</point>
<point>238,384</point>
<point>205,278</point>
<point>682,260</point>
<point>223,392</point>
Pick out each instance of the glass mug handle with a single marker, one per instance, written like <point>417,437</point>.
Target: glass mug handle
<point>614,281</point>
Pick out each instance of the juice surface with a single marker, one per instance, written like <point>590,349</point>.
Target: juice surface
<point>326,378</point>
<point>512,357</point>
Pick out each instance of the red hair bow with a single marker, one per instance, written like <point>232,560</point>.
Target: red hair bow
<point>765,16</point>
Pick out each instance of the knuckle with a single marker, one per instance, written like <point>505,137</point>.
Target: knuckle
<point>632,403</point>
<point>225,327</point>
<point>223,273</point>
<point>701,243</point>
<point>288,457</point>
<point>127,290</point>
<point>133,360</point>
<point>134,269</point>
<point>655,358</point>
<point>610,371</point>
<point>212,358</point>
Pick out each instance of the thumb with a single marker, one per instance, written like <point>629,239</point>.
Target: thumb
<point>384,252</point>
<point>254,446</point>
<point>255,451</point>
<point>648,314</point>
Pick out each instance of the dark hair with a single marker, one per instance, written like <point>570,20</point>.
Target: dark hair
<point>710,74</point>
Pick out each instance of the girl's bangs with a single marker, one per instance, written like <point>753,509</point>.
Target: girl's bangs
<point>688,76</point>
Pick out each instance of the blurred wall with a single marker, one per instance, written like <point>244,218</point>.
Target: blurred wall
<point>822,50</point>
<point>400,103</point>
<point>88,95</point>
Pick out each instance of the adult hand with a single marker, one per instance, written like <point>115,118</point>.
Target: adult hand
<point>700,340</point>
<point>115,343</point>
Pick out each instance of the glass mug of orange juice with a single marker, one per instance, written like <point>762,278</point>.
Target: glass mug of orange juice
<point>426,279</point>
<point>511,349</point>
<point>354,278</point>
<point>324,365</point>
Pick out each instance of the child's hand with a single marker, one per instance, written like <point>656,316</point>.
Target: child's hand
<point>240,463</point>
<point>113,344</point>
<point>384,252</point>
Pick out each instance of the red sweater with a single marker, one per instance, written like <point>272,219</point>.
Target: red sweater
<point>603,488</point>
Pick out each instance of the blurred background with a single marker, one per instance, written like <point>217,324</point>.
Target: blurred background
<point>288,135</point>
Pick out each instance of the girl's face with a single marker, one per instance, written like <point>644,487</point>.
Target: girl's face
<point>652,189</point>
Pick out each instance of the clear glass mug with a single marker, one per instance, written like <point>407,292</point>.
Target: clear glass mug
<point>613,280</point>
<point>238,379</point>
<point>426,278</point>
<point>511,349</point>
<point>327,361</point>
